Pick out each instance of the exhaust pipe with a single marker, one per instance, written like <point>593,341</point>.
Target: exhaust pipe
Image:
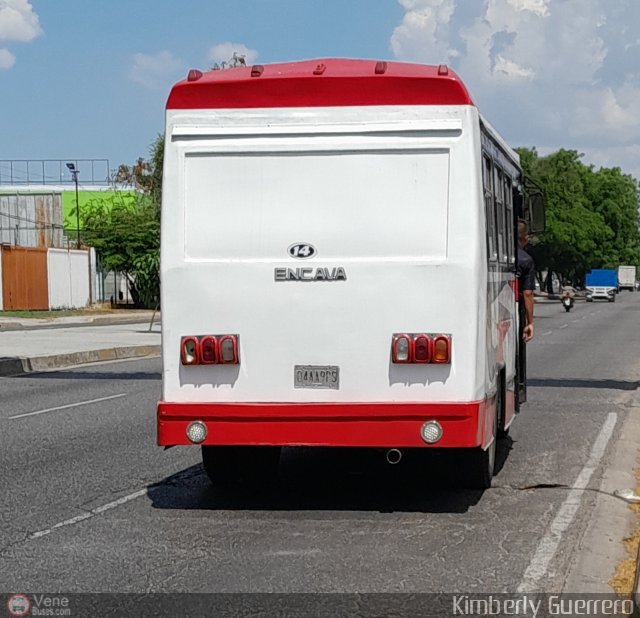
<point>394,456</point>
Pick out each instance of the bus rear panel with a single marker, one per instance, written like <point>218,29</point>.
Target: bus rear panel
<point>325,271</point>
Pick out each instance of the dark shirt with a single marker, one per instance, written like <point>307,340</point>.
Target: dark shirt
<point>526,271</point>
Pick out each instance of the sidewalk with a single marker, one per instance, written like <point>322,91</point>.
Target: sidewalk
<point>39,345</point>
<point>115,317</point>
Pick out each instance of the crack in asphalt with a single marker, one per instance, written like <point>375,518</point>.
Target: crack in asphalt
<point>566,487</point>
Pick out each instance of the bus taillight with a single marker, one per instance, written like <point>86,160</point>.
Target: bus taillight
<point>401,349</point>
<point>228,350</point>
<point>189,351</point>
<point>441,350</point>
<point>421,349</point>
<point>208,350</point>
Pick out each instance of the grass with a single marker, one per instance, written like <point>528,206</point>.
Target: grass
<point>59,313</point>
<point>624,578</point>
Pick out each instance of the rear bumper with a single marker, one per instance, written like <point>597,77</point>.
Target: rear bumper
<point>321,424</point>
<point>604,293</point>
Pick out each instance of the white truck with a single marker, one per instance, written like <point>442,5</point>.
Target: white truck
<point>627,278</point>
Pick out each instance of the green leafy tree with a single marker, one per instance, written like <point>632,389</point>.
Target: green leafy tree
<point>126,232</point>
<point>126,236</point>
<point>592,216</point>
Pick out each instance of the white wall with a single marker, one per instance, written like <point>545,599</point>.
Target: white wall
<point>1,305</point>
<point>93,277</point>
<point>68,278</point>
<point>80,274</point>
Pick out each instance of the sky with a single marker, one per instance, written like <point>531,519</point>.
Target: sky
<point>89,79</point>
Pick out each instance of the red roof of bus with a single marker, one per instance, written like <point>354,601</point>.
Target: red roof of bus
<point>320,83</point>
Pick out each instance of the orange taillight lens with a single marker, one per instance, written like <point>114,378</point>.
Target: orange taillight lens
<point>441,350</point>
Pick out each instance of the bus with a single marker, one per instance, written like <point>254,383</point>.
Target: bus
<point>338,259</point>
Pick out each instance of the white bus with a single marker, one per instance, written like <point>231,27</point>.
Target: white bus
<point>338,265</point>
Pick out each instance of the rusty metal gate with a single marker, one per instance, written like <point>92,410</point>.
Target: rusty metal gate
<point>24,279</point>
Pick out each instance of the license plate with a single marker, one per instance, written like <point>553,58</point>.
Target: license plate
<point>316,376</point>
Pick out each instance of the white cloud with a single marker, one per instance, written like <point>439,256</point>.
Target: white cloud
<point>155,70</point>
<point>424,32</point>
<point>18,23</point>
<point>624,157</point>
<point>608,115</point>
<point>538,7</point>
<point>561,72</point>
<point>7,59</point>
<point>223,52</point>
<point>510,68</point>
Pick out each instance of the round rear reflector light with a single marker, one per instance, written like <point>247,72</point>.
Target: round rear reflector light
<point>431,432</point>
<point>196,432</point>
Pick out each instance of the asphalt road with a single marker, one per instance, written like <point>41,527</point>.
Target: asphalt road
<point>90,504</point>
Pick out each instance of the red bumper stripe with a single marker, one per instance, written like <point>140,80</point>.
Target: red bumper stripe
<point>323,424</point>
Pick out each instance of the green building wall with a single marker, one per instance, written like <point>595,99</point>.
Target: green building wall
<point>86,197</point>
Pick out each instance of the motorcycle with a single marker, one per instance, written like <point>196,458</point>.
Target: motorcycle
<point>567,303</point>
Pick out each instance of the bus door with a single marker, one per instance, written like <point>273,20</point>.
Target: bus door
<point>529,207</point>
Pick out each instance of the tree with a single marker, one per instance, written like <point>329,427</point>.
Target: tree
<point>237,60</point>
<point>145,175</point>
<point>126,236</point>
<point>125,230</point>
<point>592,217</point>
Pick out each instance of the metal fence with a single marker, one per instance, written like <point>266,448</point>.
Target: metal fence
<point>32,220</point>
<point>53,172</point>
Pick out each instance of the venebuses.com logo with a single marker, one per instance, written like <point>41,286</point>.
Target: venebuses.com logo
<point>38,605</point>
<point>18,605</point>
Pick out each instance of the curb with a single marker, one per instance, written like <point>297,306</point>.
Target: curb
<point>107,321</point>
<point>17,366</point>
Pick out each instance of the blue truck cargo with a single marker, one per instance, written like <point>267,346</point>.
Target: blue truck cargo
<point>601,283</point>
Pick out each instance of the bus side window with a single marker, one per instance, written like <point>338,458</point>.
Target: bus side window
<point>487,181</point>
<point>498,186</point>
<point>508,198</point>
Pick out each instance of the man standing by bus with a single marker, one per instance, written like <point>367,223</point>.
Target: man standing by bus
<point>526,281</point>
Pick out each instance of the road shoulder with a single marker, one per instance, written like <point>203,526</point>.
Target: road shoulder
<point>601,548</point>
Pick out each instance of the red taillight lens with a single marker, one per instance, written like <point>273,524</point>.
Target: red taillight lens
<point>189,351</point>
<point>421,349</point>
<point>228,350</point>
<point>441,350</point>
<point>208,350</point>
<point>401,349</point>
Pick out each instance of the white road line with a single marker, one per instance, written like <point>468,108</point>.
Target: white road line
<point>547,333</point>
<point>70,405</point>
<point>574,321</point>
<point>564,326</point>
<point>549,544</point>
<point>89,514</point>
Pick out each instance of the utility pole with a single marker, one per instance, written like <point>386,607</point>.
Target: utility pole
<point>74,173</point>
